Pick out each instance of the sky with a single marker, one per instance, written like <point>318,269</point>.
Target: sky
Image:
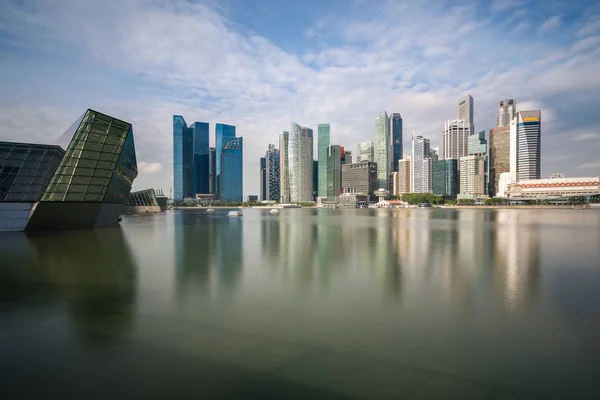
<point>259,64</point>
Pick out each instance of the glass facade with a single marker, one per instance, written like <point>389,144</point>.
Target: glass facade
<point>334,173</point>
<point>382,149</point>
<point>99,164</point>
<point>477,144</point>
<point>396,140</point>
<point>232,171</point>
<point>183,159</point>
<point>142,198</point>
<point>324,140</point>
<point>499,156</point>
<point>223,133</point>
<point>300,163</point>
<point>26,170</point>
<point>445,177</point>
<point>263,178</point>
<point>284,176</point>
<point>273,173</point>
<point>212,172</point>
<point>201,158</point>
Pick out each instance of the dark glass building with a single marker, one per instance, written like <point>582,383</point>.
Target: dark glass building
<point>145,201</point>
<point>396,140</point>
<point>315,179</point>
<point>212,170</point>
<point>93,179</point>
<point>445,178</point>
<point>25,171</point>
<point>263,178</point>
<point>183,159</point>
<point>223,133</point>
<point>232,172</point>
<point>201,158</point>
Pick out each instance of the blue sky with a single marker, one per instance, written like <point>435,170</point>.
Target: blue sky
<point>258,64</point>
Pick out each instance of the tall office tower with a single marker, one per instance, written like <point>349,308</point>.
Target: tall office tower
<point>421,165</point>
<point>263,179</point>
<point>364,152</point>
<point>315,179</point>
<point>300,159</point>
<point>445,177</point>
<point>347,157</point>
<point>284,173</point>
<point>324,140</point>
<point>396,140</point>
<point>464,109</point>
<point>212,174</point>
<point>528,144</point>
<point>334,173</point>
<point>435,154</point>
<point>499,156</point>
<point>232,172</point>
<point>381,149</point>
<point>455,138</point>
<point>183,159</point>
<point>506,112</point>
<point>201,158</point>
<point>223,133</point>
<point>272,173</point>
<point>405,175</point>
<point>477,144</point>
<point>472,176</point>
<point>359,178</point>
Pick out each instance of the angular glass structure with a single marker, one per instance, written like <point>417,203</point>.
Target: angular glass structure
<point>93,180</point>
<point>273,173</point>
<point>183,159</point>
<point>144,201</point>
<point>223,133</point>
<point>232,171</point>
<point>201,158</point>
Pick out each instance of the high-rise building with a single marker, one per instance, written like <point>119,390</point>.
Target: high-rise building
<point>334,173</point>
<point>201,158</point>
<point>212,170</point>
<point>284,174</point>
<point>300,159</point>
<point>435,154</point>
<point>382,149</point>
<point>472,176</point>
<point>359,178</point>
<point>445,177</point>
<point>477,144</point>
<point>506,112</point>
<point>272,173</point>
<point>528,144</point>
<point>364,152</point>
<point>223,133</point>
<point>499,156</point>
<point>455,138</point>
<point>183,159</point>
<point>315,179</point>
<point>464,109</point>
<point>421,165</point>
<point>263,179</point>
<point>232,172</point>
<point>396,140</point>
<point>347,157</point>
<point>405,175</point>
<point>324,140</point>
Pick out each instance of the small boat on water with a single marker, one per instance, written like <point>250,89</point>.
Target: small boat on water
<point>236,213</point>
<point>424,205</point>
<point>274,212</point>
<point>210,210</point>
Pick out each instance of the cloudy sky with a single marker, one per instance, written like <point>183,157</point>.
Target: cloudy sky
<point>258,64</point>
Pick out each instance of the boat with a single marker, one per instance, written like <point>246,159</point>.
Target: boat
<point>210,210</point>
<point>424,205</point>
<point>274,211</point>
<point>236,213</point>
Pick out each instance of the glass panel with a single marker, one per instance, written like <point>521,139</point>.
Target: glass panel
<point>93,197</point>
<point>111,148</point>
<point>84,171</point>
<point>74,197</point>
<point>108,157</point>
<point>105,165</point>
<point>77,188</point>
<point>93,146</point>
<point>102,172</point>
<point>92,155</point>
<point>87,163</point>
<point>99,181</point>
<point>80,180</point>
<point>95,189</point>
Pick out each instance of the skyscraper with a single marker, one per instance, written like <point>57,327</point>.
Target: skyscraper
<point>396,140</point>
<point>201,158</point>
<point>499,156</point>
<point>263,179</point>
<point>324,140</point>
<point>405,175</point>
<point>300,160</point>
<point>232,171</point>
<point>445,177</point>
<point>382,149</point>
<point>477,144</point>
<point>315,179</point>
<point>421,165</point>
<point>364,152</point>
<point>464,109</point>
<point>223,133</point>
<point>472,176</point>
<point>284,175</point>
<point>273,173</point>
<point>457,132</point>
<point>212,170</point>
<point>334,173</point>
<point>506,112</point>
<point>359,178</point>
<point>528,144</point>
<point>183,159</point>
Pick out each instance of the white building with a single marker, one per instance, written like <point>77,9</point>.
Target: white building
<point>364,152</point>
<point>382,149</point>
<point>421,165</point>
<point>300,163</point>
<point>472,177</point>
<point>506,112</point>
<point>557,187</point>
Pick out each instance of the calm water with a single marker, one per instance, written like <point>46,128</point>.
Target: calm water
<point>308,304</point>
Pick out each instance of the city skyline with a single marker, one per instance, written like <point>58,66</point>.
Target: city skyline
<point>314,77</point>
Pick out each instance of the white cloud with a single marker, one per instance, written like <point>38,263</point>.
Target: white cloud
<point>550,24</point>
<point>149,168</point>
<point>590,165</point>
<point>586,136</point>
<point>590,27</point>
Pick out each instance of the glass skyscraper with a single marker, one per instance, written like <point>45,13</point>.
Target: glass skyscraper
<point>212,170</point>
<point>324,137</point>
<point>183,159</point>
<point>232,172</point>
<point>396,140</point>
<point>445,177</point>
<point>382,150</point>
<point>300,164</point>
<point>477,144</point>
<point>334,173</point>
<point>284,174</point>
<point>223,133</point>
<point>201,158</point>
<point>421,168</point>
<point>272,159</point>
<point>528,144</point>
<point>263,179</point>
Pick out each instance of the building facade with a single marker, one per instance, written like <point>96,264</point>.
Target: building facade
<point>395,140</point>
<point>477,144</point>
<point>472,177</point>
<point>364,152</point>
<point>445,178</point>
<point>324,141</point>
<point>183,159</point>
<point>272,173</point>
<point>555,188</point>
<point>232,170</point>
<point>145,201</point>
<point>359,178</point>
<point>382,149</point>
<point>499,156</point>
<point>405,176</point>
<point>212,170</point>
<point>201,158</point>
<point>334,173</point>
<point>507,111</point>
<point>315,179</point>
<point>455,139</point>
<point>263,178</point>
<point>223,133</point>
<point>464,109</point>
<point>528,144</point>
<point>300,156</point>
<point>284,176</point>
<point>421,165</point>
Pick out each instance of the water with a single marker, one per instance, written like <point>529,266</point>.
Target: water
<point>308,304</point>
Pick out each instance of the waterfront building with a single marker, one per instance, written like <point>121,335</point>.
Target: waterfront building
<point>223,133</point>
<point>232,172</point>
<point>263,178</point>
<point>334,173</point>
<point>364,152</point>
<point>272,159</point>
<point>212,170</point>
<point>499,156</point>
<point>300,160</point>
<point>92,182</point>
<point>183,159</point>
<point>554,188</point>
<point>421,165</point>
<point>359,178</point>
<point>324,141</point>
<point>382,149</point>
<point>528,144</point>
<point>404,176</point>
<point>145,201</point>
<point>395,140</point>
<point>506,112</point>
<point>445,177</point>
<point>472,177</point>
<point>284,176</point>
<point>201,158</point>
